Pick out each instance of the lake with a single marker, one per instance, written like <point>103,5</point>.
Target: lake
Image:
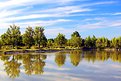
<point>62,66</point>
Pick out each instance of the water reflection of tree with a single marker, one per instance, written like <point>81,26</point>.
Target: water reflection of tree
<point>34,63</point>
<point>27,63</point>
<point>4,58</point>
<point>75,57</point>
<point>12,67</point>
<point>60,58</point>
<point>38,64</point>
<point>89,56</point>
<point>92,56</point>
<point>115,56</point>
<point>102,56</point>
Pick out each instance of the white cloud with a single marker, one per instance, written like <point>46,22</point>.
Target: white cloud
<point>98,3</point>
<point>54,12</point>
<point>99,23</point>
<point>66,9</point>
<point>17,3</point>
<point>35,23</point>
<point>63,11</point>
<point>118,13</point>
<point>14,11</point>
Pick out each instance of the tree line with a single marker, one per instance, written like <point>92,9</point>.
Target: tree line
<point>35,38</point>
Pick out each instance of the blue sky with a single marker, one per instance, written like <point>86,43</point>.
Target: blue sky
<point>88,17</point>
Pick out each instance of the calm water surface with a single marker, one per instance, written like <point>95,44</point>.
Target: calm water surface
<point>62,66</point>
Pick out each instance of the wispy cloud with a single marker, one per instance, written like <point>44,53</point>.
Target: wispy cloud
<point>56,15</point>
<point>35,23</point>
<point>63,11</point>
<point>16,3</point>
<point>99,23</point>
<point>118,13</point>
<point>49,13</point>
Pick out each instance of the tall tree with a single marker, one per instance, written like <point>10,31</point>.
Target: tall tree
<point>39,36</point>
<point>28,39</point>
<point>119,42</point>
<point>60,40</point>
<point>102,43</point>
<point>114,42</point>
<point>75,40</point>
<point>50,43</point>
<point>12,36</point>
<point>90,42</point>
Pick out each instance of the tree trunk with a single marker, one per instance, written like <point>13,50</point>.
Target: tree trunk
<point>39,46</point>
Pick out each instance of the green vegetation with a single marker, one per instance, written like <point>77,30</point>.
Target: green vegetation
<point>27,37</point>
<point>36,39</point>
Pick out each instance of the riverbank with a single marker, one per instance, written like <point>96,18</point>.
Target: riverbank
<point>22,51</point>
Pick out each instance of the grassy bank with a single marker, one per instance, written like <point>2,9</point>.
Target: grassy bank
<point>50,50</point>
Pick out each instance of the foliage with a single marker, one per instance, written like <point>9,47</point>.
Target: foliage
<point>90,42</point>
<point>75,40</point>
<point>28,39</point>
<point>116,42</point>
<point>12,36</point>
<point>60,40</point>
<point>50,43</point>
<point>102,43</point>
<point>39,36</point>
<point>36,38</point>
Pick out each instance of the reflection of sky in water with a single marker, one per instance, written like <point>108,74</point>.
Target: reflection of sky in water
<point>85,71</point>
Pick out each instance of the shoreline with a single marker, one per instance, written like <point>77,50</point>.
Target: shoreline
<point>22,51</point>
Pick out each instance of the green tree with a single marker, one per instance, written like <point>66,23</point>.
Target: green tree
<point>114,42</point>
<point>44,41</point>
<point>12,36</point>
<point>102,43</point>
<point>4,39</point>
<point>94,41</point>
<point>60,40</point>
<point>28,39</point>
<point>119,42</point>
<point>75,40</point>
<point>50,43</point>
<point>90,42</point>
<point>39,36</point>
